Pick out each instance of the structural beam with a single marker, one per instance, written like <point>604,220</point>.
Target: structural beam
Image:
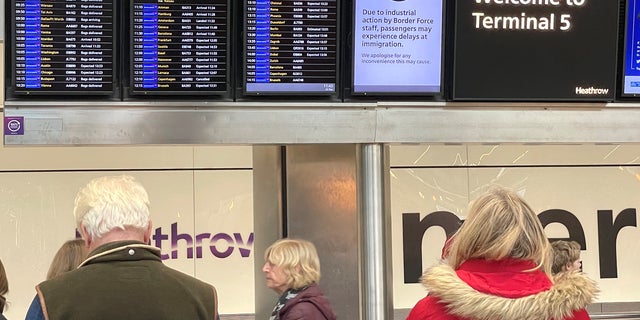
<point>119,123</point>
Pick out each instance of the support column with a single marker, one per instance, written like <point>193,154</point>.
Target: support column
<point>321,189</point>
<point>375,232</point>
<point>267,219</point>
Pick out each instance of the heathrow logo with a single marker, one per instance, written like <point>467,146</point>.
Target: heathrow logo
<point>184,245</point>
<point>591,91</point>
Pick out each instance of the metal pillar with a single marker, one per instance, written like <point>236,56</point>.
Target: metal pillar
<point>267,219</point>
<point>374,216</point>
<point>321,183</point>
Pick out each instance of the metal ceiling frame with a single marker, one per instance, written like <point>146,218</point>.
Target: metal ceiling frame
<point>254,123</point>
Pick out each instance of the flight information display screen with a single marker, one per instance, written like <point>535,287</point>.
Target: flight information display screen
<point>399,38</point>
<point>179,46</point>
<point>560,50</point>
<point>290,46</point>
<point>63,46</point>
<point>631,85</point>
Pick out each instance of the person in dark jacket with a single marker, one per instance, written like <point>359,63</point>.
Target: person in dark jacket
<point>122,277</point>
<point>292,269</point>
<point>499,268</point>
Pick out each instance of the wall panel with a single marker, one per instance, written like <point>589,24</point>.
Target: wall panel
<point>585,181</point>
<point>36,218</point>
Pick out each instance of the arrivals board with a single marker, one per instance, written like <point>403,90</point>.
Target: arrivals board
<point>290,46</point>
<point>631,80</point>
<point>560,50</point>
<point>63,46</point>
<point>179,46</point>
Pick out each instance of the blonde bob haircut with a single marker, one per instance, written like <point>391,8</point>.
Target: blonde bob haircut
<point>499,225</point>
<point>298,260</point>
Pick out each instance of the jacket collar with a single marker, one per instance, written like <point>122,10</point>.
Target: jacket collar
<point>570,292</point>
<point>122,251</point>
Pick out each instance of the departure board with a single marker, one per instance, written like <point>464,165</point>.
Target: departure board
<point>63,46</point>
<point>179,46</point>
<point>631,80</point>
<point>290,46</point>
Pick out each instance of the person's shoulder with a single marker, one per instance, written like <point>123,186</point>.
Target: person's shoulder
<point>60,279</point>
<point>76,277</point>
<point>307,310</point>
<point>581,314</point>
<point>572,291</point>
<point>428,308</point>
<point>312,291</point>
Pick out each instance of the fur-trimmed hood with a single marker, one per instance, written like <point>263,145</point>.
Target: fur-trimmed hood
<point>568,293</point>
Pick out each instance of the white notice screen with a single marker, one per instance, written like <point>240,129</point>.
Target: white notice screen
<point>397,46</point>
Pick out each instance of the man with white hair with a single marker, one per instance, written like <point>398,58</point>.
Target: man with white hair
<point>123,277</point>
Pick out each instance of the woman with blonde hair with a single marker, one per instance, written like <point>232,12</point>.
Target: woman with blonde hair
<point>499,268</point>
<point>68,258</point>
<point>292,269</point>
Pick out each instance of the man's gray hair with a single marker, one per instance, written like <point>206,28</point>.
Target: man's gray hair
<point>111,202</point>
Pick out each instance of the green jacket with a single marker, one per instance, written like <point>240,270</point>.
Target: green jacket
<point>126,280</point>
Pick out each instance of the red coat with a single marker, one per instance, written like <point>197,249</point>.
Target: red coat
<point>502,290</point>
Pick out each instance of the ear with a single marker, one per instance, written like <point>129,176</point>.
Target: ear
<point>147,233</point>
<point>85,236</point>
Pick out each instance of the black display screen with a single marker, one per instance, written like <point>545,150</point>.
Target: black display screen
<point>179,46</point>
<point>63,46</point>
<point>519,50</point>
<point>290,46</point>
